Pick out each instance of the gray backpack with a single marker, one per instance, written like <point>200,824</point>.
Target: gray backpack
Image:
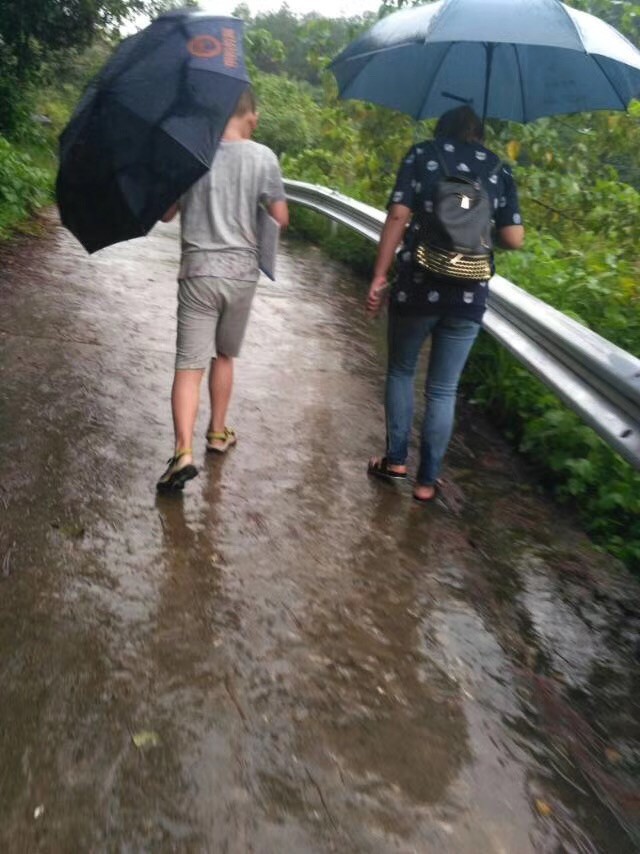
<point>455,238</point>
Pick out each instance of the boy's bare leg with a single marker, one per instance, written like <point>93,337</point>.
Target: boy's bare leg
<point>185,396</point>
<point>220,388</point>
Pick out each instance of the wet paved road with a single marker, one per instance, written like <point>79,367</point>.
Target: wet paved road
<point>289,658</point>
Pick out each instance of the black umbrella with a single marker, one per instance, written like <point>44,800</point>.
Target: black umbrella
<point>148,126</point>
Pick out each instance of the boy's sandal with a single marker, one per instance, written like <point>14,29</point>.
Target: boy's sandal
<point>380,468</point>
<point>175,477</point>
<point>227,438</point>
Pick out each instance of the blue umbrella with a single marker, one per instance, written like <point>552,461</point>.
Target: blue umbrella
<point>509,59</point>
<point>148,127</point>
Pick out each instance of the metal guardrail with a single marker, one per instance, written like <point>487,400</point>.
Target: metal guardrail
<point>596,379</point>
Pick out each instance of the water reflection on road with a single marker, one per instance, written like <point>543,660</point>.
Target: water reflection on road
<point>288,657</point>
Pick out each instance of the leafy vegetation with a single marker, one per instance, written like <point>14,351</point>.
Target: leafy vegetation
<point>579,180</point>
<point>23,186</point>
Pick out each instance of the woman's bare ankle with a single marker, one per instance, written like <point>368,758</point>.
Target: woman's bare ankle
<point>424,491</point>
<point>400,469</point>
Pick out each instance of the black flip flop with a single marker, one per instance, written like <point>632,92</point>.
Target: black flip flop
<point>380,469</point>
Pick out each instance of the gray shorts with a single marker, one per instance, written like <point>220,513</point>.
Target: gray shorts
<point>212,318</point>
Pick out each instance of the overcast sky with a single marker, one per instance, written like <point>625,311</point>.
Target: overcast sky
<point>328,8</point>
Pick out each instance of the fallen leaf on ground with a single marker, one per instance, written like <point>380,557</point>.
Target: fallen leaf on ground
<point>613,755</point>
<point>145,738</point>
<point>543,807</point>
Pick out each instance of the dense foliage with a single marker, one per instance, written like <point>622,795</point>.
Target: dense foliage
<point>34,33</point>
<point>579,179</point>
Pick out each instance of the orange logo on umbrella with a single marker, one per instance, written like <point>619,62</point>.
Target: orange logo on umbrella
<point>208,47</point>
<point>204,47</point>
<point>230,48</point>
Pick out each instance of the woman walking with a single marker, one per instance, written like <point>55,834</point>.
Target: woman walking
<point>439,291</point>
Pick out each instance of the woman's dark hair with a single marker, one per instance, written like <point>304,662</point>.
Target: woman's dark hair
<point>462,124</point>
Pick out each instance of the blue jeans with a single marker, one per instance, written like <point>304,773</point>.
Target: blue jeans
<point>451,342</point>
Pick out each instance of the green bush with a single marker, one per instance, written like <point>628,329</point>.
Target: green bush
<point>23,186</point>
<point>289,116</point>
<point>595,285</point>
<point>572,460</point>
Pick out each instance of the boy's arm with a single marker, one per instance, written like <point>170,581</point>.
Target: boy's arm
<point>170,214</point>
<point>280,212</point>
<point>273,195</point>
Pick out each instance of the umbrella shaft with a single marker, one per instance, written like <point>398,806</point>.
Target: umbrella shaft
<point>489,50</point>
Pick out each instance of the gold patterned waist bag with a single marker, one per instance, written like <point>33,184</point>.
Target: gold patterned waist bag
<point>453,265</point>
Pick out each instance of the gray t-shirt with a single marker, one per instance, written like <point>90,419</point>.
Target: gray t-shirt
<point>219,212</point>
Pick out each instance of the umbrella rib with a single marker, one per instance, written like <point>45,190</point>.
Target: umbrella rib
<point>594,57</point>
<point>138,56</point>
<point>433,78</point>
<point>369,54</point>
<point>574,24</point>
<point>609,81</point>
<point>151,129</point>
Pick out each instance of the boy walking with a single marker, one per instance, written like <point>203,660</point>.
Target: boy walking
<point>217,280</point>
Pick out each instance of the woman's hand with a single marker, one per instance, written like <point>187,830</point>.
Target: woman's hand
<point>392,234</point>
<point>377,294</point>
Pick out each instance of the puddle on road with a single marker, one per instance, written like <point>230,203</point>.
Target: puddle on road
<point>288,657</point>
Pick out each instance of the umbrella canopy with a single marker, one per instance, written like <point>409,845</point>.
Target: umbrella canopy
<point>509,59</point>
<point>148,127</point>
